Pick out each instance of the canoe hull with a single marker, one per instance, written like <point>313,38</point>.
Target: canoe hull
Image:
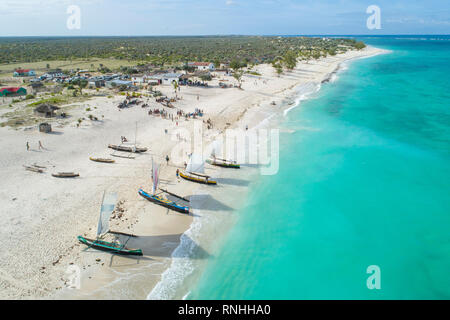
<point>102,160</point>
<point>127,149</point>
<point>223,164</point>
<point>170,205</point>
<point>110,247</point>
<point>65,175</point>
<point>197,179</point>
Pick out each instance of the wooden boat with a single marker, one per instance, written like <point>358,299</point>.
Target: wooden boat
<point>164,202</point>
<point>127,149</point>
<point>110,247</point>
<point>65,175</point>
<point>102,160</point>
<point>190,176</point>
<point>33,169</point>
<point>108,204</point>
<point>223,163</point>
<point>195,170</point>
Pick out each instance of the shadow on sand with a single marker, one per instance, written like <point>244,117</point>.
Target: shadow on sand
<point>234,182</point>
<point>207,202</point>
<point>162,246</point>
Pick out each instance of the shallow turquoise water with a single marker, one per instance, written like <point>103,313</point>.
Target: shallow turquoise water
<point>364,180</point>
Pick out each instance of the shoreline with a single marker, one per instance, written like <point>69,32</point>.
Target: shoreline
<point>69,208</point>
<point>158,291</point>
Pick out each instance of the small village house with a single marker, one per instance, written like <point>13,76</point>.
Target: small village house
<point>46,110</point>
<point>139,79</point>
<point>53,74</point>
<point>166,78</point>
<point>24,73</point>
<point>37,87</point>
<point>169,78</point>
<point>117,83</point>
<point>202,66</point>
<point>12,91</point>
<point>45,127</point>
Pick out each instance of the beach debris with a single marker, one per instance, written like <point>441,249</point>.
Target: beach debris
<point>118,211</point>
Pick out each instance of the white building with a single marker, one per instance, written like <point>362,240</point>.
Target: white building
<point>166,78</point>
<point>202,66</point>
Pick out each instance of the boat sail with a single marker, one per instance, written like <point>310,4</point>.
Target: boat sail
<point>195,170</point>
<point>155,177</point>
<point>108,205</point>
<point>196,164</point>
<point>159,199</point>
<point>216,152</point>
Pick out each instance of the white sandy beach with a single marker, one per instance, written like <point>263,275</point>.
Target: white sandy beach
<point>42,215</point>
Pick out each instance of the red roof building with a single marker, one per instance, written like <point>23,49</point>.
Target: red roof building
<point>9,91</point>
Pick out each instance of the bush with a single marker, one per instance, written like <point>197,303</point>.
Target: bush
<point>29,96</point>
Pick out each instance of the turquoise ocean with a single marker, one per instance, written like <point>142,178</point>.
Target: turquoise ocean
<point>364,180</point>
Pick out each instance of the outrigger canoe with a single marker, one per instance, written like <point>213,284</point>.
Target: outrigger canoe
<point>65,175</point>
<point>110,247</point>
<point>127,149</point>
<point>164,202</point>
<point>197,178</point>
<point>102,160</point>
<point>224,164</point>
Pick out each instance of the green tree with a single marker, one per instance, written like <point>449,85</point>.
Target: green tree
<point>238,76</point>
<point>290,60</point>
<point>360,45</point>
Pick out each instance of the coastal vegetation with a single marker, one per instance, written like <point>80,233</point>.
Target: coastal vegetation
<point>164,51</point>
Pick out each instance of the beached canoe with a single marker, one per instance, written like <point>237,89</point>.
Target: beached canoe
<point>224,164</point>
<point>65,175</point>
<point>164,202</point>
<point>127,149</point>
<point>110,247</point>
<point>102,160</point>
<point>197,178</point>
<point>33,169</point>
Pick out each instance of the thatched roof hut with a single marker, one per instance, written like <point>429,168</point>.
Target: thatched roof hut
<point>46,110</point>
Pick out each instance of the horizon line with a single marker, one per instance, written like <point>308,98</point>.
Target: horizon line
<point>225,35</point>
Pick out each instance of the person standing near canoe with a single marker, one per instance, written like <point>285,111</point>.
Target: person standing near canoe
<point>178,174</point>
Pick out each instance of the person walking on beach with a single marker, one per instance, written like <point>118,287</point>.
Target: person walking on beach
<point>28,146</point>
<point>178,174</point>
<point>167,159</point>
<point>40,145</point>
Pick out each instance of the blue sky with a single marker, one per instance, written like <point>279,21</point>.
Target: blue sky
<point>204,17</point>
